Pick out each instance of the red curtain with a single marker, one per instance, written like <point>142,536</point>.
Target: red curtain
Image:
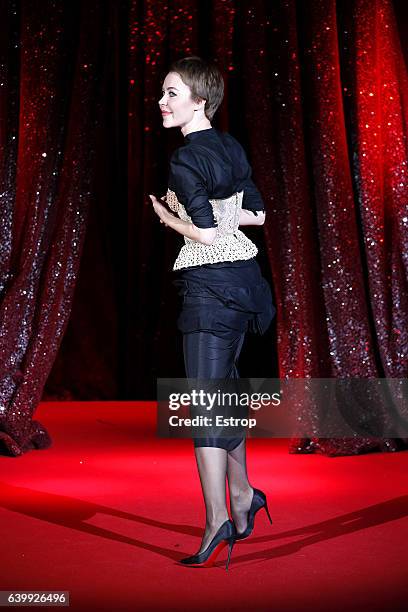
<point>49,112</point>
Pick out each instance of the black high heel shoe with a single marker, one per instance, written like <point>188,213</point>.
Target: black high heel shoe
<point>225,536</point>
<point>258,502</point>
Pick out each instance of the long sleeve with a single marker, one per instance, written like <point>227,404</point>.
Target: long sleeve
<point>187,179</point>
<point>252,199</point>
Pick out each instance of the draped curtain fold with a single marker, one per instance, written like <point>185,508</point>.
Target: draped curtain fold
<point>49,93</point>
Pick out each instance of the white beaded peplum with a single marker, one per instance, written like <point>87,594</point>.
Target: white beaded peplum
<point>230,243</point>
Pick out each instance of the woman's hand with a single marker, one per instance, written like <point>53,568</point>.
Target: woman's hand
<point>248,217</point>
<point>162,212</point>
<point>185,228</point>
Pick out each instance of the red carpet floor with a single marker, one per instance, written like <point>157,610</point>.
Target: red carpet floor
<point>107,511</point>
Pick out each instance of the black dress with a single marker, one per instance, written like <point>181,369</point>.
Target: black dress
<point>221,301</point>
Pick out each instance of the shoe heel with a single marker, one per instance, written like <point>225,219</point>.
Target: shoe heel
<point>267,512</point>
<point>230,547</point>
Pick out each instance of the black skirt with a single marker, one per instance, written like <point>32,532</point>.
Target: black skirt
<point>237,298</point>
<point>226,300</point>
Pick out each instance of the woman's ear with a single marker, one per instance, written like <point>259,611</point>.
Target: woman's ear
<point>202,102</point>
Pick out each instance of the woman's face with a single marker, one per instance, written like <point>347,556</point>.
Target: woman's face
<point>176,105</point>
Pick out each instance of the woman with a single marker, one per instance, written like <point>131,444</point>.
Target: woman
<point>225,295</point>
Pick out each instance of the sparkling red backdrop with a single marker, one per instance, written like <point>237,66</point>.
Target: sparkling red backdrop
<point>316,92</point>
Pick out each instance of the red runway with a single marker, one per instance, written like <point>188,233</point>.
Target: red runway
<point>107,511</point>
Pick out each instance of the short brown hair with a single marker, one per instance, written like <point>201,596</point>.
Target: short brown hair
<point>204,79</point>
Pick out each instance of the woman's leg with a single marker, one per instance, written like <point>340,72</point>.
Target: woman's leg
<point>239,487</point>
<point>208,356</point>
<point>212,468</point>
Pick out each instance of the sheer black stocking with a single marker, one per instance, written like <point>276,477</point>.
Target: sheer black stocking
<point>212,468</point>
<point>240,490</point>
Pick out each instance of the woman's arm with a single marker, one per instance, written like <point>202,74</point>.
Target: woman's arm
<point>185,228</point>
<point>247,217</point>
